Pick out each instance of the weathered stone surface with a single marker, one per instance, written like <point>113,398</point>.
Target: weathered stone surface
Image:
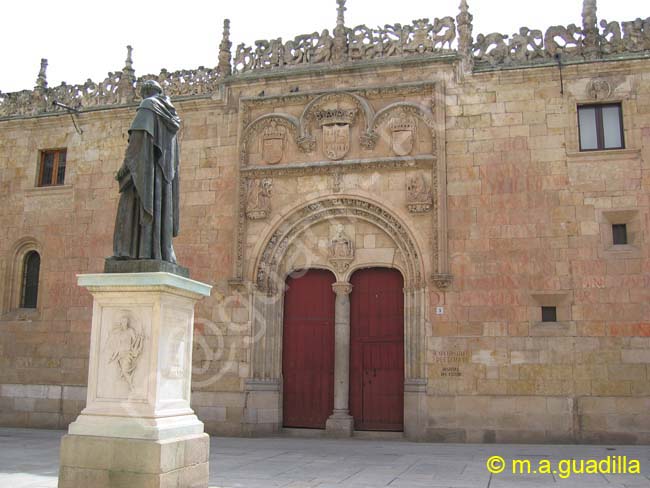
<point>517,215</point>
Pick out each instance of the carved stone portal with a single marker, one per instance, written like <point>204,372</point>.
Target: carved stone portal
<point>273,141</point>
<point>258,198</point>
<point>335,124</point>
<point>341,250</point>
<point>418,194</point>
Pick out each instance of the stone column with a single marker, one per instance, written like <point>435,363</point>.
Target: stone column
<point>341,423</point>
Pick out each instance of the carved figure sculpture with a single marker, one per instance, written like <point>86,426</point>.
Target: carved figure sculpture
<point>258,203</point>
<point>491,47</point>
<point>341,250</point>
<point>361,43</point>
<point>444,32</point>
<point>418,194</point>
<point>125,345</point>
<point>421,41</point>
<point>568,37</point>
<point>148,211</point>
<point>322,52</point>
<point>611,40</point>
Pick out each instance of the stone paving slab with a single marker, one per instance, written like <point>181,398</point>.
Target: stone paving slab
<point>29,459</point>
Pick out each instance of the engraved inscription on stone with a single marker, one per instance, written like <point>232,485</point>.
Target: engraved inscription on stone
<point>450,357</point>
<point>451,371</point>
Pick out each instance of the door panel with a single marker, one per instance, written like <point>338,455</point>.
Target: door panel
<point>308,350</point>
<point>377,349</point>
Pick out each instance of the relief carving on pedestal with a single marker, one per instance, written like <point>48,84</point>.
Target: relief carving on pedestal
<point>258,198</point>
<point>418,194</point>
<point>341,249</point>
<point>124,345</point>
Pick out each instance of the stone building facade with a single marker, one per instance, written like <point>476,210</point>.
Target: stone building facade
<point>463,161</point>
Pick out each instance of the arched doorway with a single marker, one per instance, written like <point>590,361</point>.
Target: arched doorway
<point>377,349</point>
<point>308,349</point>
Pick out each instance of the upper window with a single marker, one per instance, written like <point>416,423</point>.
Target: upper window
<point>31,270</point>
<point>601,127</point>
<point>52,167</point>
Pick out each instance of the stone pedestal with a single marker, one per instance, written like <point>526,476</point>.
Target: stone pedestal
<point>138,428</point>
<point>341,423</point>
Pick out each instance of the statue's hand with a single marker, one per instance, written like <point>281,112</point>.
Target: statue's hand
<point>120,173</point>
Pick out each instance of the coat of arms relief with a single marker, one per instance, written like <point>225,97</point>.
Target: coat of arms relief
<point>335,124</point>
<point>403,129</point>
<point>273,141</point>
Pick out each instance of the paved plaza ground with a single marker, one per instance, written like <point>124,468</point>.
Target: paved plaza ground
<point>29,459</point>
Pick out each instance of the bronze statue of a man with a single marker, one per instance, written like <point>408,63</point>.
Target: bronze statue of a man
<point>147,214</point>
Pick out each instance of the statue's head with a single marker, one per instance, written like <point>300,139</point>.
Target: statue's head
<point>150,88</point>
<point>124,322</point>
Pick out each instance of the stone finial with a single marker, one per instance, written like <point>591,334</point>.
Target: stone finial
<point>39,95</point>
<point>224,67</point>
<point>128,63</point>
<point>590,29</point>
<point>464,23</point>
<point>340,13</point>
<point>41,80</point>
<point>126,85</point>
<point>340,47</point>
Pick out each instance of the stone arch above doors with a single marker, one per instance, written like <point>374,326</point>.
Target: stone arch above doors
<point>267,274</point>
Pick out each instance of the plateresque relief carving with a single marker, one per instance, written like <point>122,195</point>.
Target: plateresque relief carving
<point>341,249</point>
<point>273,141</point>
<point>403,128</point>
<point>335,124</point>
<point>418,194</point>
<point>124,345</point>
<point>258,198</point>
<point>599,89</point>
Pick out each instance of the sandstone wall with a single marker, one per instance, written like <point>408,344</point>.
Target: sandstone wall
<point>527,225</point>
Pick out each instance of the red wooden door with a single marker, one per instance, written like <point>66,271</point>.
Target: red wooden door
<point>308,350</point>
<point>377,349</point>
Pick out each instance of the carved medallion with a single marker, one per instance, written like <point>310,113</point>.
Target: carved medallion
<point>402,134</point>
<point>418,194</point>
<point>599,89</point>
<point>273,138</point>
<point>341,249</point>
<point>335,124</point>
<point>258,198</point>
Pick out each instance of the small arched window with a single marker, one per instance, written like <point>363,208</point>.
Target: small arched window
<point>31,270</point>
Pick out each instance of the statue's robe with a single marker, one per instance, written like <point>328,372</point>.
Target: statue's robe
<point>147,214</point>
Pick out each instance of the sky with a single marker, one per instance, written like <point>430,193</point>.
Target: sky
<point>82,39</point>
